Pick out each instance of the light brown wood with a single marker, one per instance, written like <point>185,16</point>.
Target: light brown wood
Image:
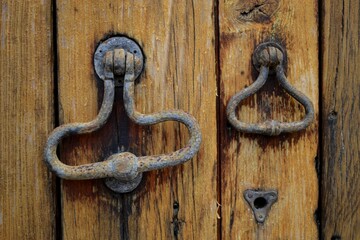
<point>27,196</point>
<point>287,162</point>
<point>340,202</point>
<point>179,43</point>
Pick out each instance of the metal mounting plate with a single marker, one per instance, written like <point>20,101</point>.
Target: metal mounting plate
<point>261,47</point>
<point>120,186</point>
<point>112,43</point>
<point>260,202</point>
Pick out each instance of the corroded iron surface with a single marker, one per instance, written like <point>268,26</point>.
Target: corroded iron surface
<point>118,45</point>
<point>123,169</point>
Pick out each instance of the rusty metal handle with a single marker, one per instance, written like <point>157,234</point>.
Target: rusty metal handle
<point>125,168</point>
<point>147,163</point>
<point>269,58</point>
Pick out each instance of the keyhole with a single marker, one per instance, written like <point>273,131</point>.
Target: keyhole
<point>260,202</point>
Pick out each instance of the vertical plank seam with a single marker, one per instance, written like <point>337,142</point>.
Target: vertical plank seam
<point>218,114</point>
<point>319,162</point>
<point>58,210</point>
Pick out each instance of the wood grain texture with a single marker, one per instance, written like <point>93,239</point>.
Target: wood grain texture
<point>340,202</point>
<point>287,162</point>
<point>178,40</point>
<point>27,206</point>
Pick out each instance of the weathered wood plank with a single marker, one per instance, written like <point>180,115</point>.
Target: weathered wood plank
<point>27,196</point>
<point>287,162</point>
<point>178,40</point>
<point>340,202</point>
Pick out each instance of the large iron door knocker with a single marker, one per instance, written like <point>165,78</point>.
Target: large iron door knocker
<point>123,57</point>
<point>269,58</point>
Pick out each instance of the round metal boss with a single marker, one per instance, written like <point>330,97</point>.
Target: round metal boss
<point>258,55</point>
<point>126,186</point>
<point>112,43</point>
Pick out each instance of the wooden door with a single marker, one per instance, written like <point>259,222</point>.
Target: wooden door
<point>198,55</point>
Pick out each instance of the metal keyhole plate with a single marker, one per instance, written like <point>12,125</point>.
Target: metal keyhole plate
<point>260,202</point>
<point>112,43</point>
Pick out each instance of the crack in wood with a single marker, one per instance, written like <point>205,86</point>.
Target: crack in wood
<point>251,11</point>
<point>257,11</point>
<point>176,222</point>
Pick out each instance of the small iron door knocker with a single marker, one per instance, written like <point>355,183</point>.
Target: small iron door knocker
<point>269,58</point>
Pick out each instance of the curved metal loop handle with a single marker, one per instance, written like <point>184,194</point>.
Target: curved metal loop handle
<point>267,57</point>
<point>121,166</point>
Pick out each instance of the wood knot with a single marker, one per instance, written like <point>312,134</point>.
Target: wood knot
<point>256,10</point>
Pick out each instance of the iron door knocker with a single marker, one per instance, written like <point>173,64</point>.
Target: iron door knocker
<point>269,58</point>
<point>122,57</point>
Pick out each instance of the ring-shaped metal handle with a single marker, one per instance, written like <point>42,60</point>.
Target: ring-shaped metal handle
<point>124,167</point>
<point>269,56</point>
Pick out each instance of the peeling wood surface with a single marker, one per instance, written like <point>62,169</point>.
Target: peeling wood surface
<point>285,163</point>
<point>27,206</point>
<point>340,202</point>
<point>179,44</point>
